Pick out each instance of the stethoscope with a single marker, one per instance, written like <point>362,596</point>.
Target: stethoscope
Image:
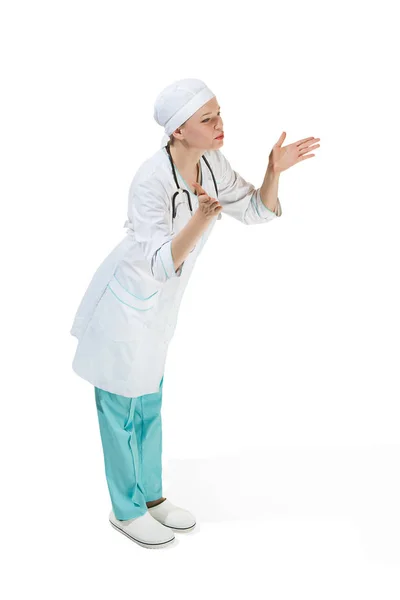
<point>180,190</point>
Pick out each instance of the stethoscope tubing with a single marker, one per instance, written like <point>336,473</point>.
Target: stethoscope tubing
<point>183,190</point>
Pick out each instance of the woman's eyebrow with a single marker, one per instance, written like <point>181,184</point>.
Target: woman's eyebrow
<point>208,113</point>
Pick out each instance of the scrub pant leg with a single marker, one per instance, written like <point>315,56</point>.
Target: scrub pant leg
<point>131,436</point>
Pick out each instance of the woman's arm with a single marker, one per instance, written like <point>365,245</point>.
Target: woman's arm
<point>239,198</point>
<point>269,190</point>
<point>184,241</point>
<point>150,220</point>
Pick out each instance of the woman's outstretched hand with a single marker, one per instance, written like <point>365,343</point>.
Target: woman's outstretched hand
<point>209,207</point>
<point>281,159</point>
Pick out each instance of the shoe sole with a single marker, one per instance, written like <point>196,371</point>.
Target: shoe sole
<point>181,529</point>
<point>143,544</point>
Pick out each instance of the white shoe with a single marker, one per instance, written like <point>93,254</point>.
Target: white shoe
<point>173,516</point>
<point>144,530</point>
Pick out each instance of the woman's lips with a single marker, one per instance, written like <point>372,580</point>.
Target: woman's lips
<point>220,137</point>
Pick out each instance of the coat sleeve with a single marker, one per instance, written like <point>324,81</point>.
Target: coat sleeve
<point>240,199</point>
<point>149,218</point>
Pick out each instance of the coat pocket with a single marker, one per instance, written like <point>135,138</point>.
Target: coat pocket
<point>123,313</point>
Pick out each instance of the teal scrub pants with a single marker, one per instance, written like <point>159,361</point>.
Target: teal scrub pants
<point>131,436</point>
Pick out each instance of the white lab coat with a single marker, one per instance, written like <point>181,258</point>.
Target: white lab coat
<point>128,314</point>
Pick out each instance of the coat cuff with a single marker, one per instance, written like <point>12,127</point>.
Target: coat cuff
<point>265,212</point>
<point>164,255</point>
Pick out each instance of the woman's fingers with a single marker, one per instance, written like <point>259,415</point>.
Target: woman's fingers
<point>198,188</point>
<point>309,140</point>
<point>204,199</point>
<point>201,191</point>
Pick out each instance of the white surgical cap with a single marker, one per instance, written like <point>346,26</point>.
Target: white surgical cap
<point>178,102</point>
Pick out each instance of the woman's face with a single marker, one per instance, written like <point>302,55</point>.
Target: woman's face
<point>203,127</point>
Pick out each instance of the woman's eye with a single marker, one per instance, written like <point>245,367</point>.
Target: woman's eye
<point>205,120</point>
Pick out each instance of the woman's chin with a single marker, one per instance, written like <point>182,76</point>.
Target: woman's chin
<point>217,142</point>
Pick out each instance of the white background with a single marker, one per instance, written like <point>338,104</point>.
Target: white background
<point>281,394</point>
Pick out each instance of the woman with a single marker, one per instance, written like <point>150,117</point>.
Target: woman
<point>128,314</point>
